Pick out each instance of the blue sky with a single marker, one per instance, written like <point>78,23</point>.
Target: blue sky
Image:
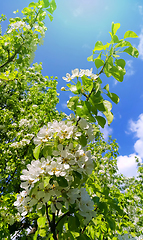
<point>69,40</point>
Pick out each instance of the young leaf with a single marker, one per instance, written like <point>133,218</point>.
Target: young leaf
<point>130,34</point>
<point>98,46</point>
<point>107,105</point>
<point>36,151</point>
<point>115,27</point>
<point>51,17</point>
<point>90,58</point>
<point>109,117</point>
<point>41,222</point>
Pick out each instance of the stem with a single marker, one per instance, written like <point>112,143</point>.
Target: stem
<point>68,213</point>
<point>51,223</point>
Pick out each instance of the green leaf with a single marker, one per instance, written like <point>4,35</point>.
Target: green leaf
<point>87,83</point>
<point>41,222</point>
<point>109,116</point>
<point>35,235</point>
<point>77,178</point>
<point>36,152</point>
<point>78,86</point>
<point>115,27</point>
<point>51,17</point>
<point>90,58</point>
<point>98,63</point>
<point>61,223</point>
<point>42,232</point>
<point>101,121</point>
<point>83,237</point>
<point>46,3</point>
<point>130,34</point>
<point>84,110</point>
<point>111,223</point>
<point>73,223</point>
<point>98,46</point>
<point>120,62</point>
<point>132,51</point>
<point>62,181</point>
<point>133,234</point>
<point>46,181</point>
<point>47,151</point>
<point>32,4</point>
<point>83,140</point>
<point>106,87</point>
<point>53,7</point>
<point>117,72</point>
<point>107,105</point>
<point>73,103</point>
<point>115,39</point>
<point>113,97</point>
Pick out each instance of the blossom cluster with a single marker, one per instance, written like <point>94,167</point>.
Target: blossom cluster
<point>51,179</point>
<point>81,73</point>
<point>18,25</point>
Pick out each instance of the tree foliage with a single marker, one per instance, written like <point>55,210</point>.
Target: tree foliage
<point>72,188</point>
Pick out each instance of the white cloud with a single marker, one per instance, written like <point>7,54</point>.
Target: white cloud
<point>64,105</point>
<point>137,128</point>
<point>127,165</point>
<point>140,10</point>
<point>129,68</point>
<point>86,46</point>
<point>140,46</point>
<point>138,146</point>
<point>77,12</point>
<point>106,131</point>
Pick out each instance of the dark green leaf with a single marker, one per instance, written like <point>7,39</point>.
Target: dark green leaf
<point>111,223</point>
<point>83,140</point>
<point>73,223</point>
<point>61,223</point>
<point>101,121</point>
<point>83,237</point>
<point>62,181</point>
